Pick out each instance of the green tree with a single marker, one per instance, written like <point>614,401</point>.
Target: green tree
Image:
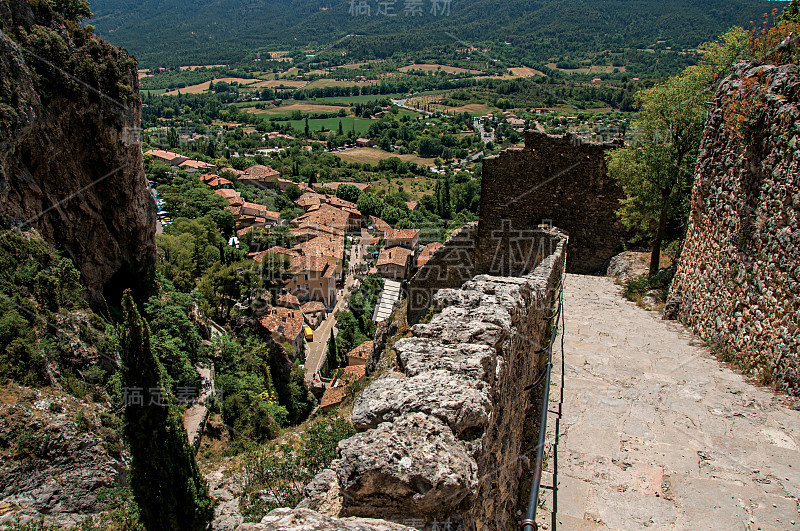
<point>166,483</point>
<point>656,170</point>
<point>790,13</point>
<point>348,192</point>
<point>369,204</point>
<point>332,356</point>
<point>75,10</point>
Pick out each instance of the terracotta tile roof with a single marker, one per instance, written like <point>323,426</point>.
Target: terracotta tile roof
<point>412,204</point>
<point>259,172</point>
<point>231,170</point>
<point>379,224</point>
<point>164,155</point>
<point>336,393</point>
<point>427,252</point>
<point>316,264</point>
<point>227,194</point>
<point>236,210</point>
<point>308,199</point>
<point>395,255</point>
<point>254,209</point>
<point>341,203</point>
<point>196,164</point>
<point>362,351</point>
<point>207,177</point>
<point>333,396</point>
<point>287,300</point>
<point>353,373</point>
<point>325,216</point>
<point>218,181</point>
<point>312,307</point>
<point>401,234</point>
<point>323,245</point>
<point>283,322</point>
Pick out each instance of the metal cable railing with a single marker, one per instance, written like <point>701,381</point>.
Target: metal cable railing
<point>529,523</point>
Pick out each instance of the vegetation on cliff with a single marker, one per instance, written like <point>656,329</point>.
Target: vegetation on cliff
<point>656,170</point>
<point>166,482</point>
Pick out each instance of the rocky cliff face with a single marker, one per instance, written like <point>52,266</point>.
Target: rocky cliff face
<point>57,456</point>
<point>738,281</point>
<point>70,160</point>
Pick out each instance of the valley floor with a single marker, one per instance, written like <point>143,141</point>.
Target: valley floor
<point>656,433</point>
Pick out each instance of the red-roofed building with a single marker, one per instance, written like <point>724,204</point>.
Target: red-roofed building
<point>379,225</point>
<point>313,279</point>
<point>359,355</point>
<point>309,199</point>
<point>394,262</point>
<point>365,142</point>
<point>254,209</point>
<point>259,175</point>
<point>217,182</point>
<point>192,166</point>
<point>228,194</point>
<point>337,391</point>
<point>408,238</point>
<point>173,159</point>
<point>314,312</point>
<point>285,325</point>
<point>287,300</point>
<point>427,252</point>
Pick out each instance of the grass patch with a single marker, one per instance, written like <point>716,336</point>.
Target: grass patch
<point>361,125</point>
<point>636,288</point>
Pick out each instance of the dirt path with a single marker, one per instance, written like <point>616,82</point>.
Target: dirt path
<point>656,433</point>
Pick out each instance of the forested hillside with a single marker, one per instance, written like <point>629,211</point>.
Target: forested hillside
<point>172,32</point>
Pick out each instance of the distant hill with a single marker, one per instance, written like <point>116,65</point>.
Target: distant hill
<point>172,32</point>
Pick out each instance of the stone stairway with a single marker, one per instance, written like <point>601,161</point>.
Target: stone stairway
<point>656,433</point>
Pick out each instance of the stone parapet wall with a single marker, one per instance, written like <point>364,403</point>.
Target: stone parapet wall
<point>560,181</point>
<point>448,267</point>
<point>442,438</point>
<point>738,280</point>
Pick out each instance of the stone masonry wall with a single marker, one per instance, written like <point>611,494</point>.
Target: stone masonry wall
<point>557,180</point>
<point>442,438</point>
<point>449,267</point>
<point>738,280</point>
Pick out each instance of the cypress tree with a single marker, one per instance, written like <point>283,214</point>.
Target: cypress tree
<point>166,483</point>
<point>332,357</point>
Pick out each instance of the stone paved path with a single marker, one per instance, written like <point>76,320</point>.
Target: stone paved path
<point>658,434</point>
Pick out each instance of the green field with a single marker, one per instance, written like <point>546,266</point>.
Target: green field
<point>332,124</point>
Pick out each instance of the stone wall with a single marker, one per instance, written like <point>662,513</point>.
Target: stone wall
<point>449,267</point>
<point>442,439</point>
<point>738,280</point>
<point>560,181</point>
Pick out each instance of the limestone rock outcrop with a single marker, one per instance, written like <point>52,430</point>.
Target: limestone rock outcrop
<point>56,467</point>
<point>70,158</point>
<point>414,466</point>
<point>461,403</point>
<point>738,281</point>
<point>308,520</point>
